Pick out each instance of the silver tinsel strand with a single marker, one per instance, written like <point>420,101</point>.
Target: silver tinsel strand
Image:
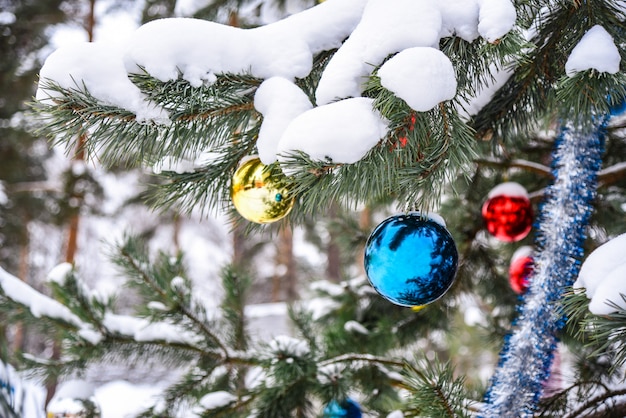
<point>526,357</point>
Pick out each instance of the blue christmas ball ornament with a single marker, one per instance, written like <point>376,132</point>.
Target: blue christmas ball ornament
<point>410,259</point>
<point>346,409</point>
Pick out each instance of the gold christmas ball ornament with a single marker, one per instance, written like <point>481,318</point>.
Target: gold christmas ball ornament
<point>258,194</point>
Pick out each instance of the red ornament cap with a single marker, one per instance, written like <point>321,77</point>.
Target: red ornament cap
<point>520,269</point>
<point>507,213</point>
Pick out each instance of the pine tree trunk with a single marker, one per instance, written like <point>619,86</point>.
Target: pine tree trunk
<point>365,224</point>
<point>333,265</point>
<point>18,339</point>
<point>285,274</point>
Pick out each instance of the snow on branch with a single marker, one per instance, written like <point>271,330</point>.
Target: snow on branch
<point>365,32</point>
<point>42,306</point>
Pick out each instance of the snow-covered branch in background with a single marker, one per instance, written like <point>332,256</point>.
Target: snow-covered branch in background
<point>42,306</point>
<point>120,326</point>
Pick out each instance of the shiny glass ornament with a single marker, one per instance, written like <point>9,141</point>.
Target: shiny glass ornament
<point>411,260</point>
<point>345,409</point>
<point>507,212</point>
<point>520,269</point>
<point>257,195</point>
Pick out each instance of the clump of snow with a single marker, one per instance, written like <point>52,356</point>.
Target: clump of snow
<point>200,49</point>
<point>120,398</point>
<point>395,414</point>
<point>421,76</point>
<point>509,188</point>
<point>340,132</point>
<point>320,307</point>
<point>329,373</point>
<point>99,69</point>
<point>389,26</point>
<point>7,18</point>
<point>596,50</point>
<point>4,199</point>
<point>354,326</point>
<point>156,306</point>
<point>386,27</point>
<point>70,396</point>
<point>602,276</point>
<point>280,101</point>
<point>60,273</point>
<point>38,304</point>
<point>217,399</point>
<point>143,330</point>
<point>178,284</point>
<point>332,289</point>
<point>496,18</point>
<point>284,344</point>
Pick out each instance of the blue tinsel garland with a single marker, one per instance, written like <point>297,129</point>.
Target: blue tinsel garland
<point>527,355</point>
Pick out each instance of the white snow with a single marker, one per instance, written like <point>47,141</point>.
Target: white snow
<point>39,304</point>
<point>143,330</point>
<point>121,399</point>
<point>217,399</point>
<point>59,273</point>
<point>280,101</point>
<point>395,414</point>
<point>510,189</point>
<point>596,50</point>
<point>387,26</point>
<point>266,309</point>
<point>98,68</point>
<point>320,307</point>
<point>7,18</point>
<point>496,18</point>
<point>354,326</point>
<point>4,199</point>
<point>279,52</point>
<point>603,276</point>
<point>421,76</point>
<point>342,132</point>
<point>66,399</point>
<point>332,289</point>
<point>156,306</point>
<point>289,345</point>
<point>199,49</point>
<point>189,7</point>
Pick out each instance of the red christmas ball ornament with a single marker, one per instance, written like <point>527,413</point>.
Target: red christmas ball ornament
<point>507,212</point>
<point>520,269</point>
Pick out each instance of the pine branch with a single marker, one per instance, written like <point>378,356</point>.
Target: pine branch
<point>207,186</point>
<point>599,403</point>
<point>537,89</point>
<point>611,175</point>
<point>530,166</point>
<point>161,285</point>
<point>366,358</point>
<point>435,391</point>
<point>201,118</point>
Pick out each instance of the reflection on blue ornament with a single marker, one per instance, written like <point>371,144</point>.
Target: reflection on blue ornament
<point>345,409</point>
<point>411,260</point>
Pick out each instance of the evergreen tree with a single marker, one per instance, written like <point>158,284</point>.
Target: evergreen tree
<point>545,119</point>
